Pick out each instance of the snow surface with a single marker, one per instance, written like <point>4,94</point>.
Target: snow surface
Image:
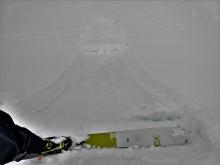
<point>102,91</point>
<point>110,93</point>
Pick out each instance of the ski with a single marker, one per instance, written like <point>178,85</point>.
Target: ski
<point>147,137</point>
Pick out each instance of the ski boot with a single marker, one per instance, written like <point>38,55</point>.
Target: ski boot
<point>55,145</point>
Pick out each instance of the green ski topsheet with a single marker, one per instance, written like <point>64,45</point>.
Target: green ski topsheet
<point>103,140</point>
<point>147,137</point>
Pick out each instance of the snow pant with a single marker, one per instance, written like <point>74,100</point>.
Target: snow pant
<point>16,143</point>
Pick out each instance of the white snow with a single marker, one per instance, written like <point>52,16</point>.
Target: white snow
<point>101,106</point>
<point>106,89</point>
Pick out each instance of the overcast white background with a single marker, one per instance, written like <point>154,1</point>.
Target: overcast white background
<point>176,41</point>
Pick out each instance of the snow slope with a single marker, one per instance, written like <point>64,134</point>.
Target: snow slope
<point>103,91</point>
<point>108,92</point>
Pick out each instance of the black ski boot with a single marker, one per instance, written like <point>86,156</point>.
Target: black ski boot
<point>54,145</point>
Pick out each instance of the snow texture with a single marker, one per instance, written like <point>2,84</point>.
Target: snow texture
<point>106,89</point>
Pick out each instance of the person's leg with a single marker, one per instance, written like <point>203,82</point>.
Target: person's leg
<point>16,140</point>
<point>8,147</point>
